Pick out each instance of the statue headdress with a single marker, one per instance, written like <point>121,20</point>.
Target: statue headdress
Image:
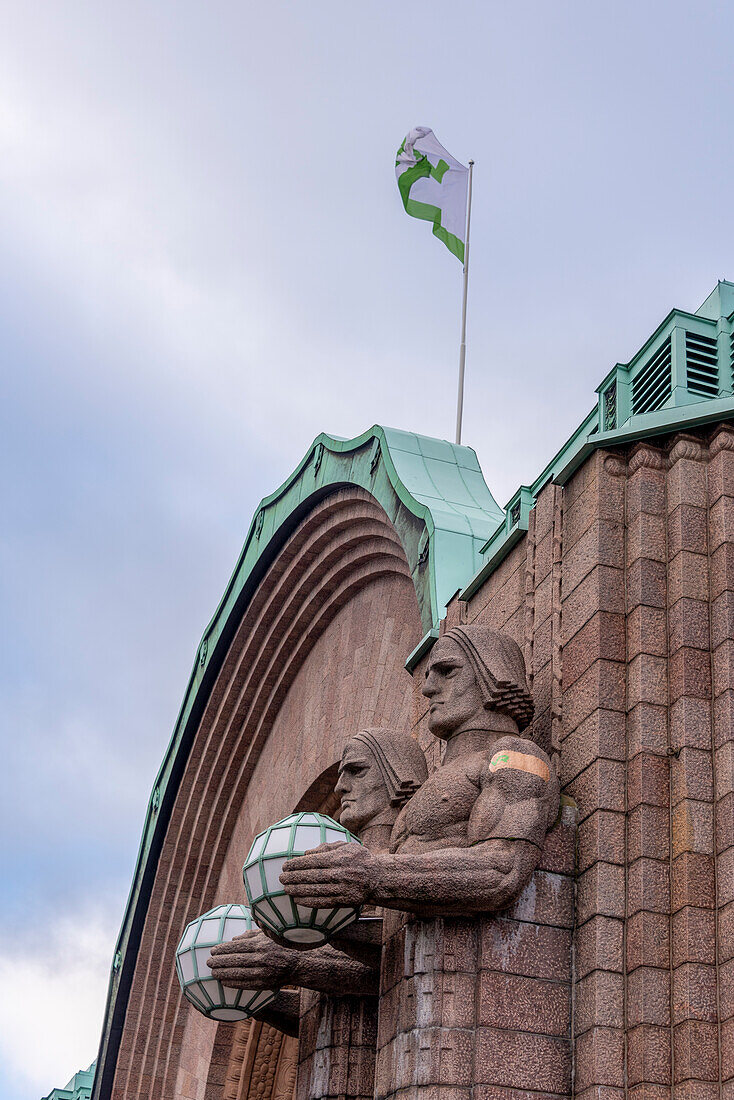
<point>400,759</point>
<point>499,668</point>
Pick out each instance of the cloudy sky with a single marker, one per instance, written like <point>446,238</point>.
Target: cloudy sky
<point>203,263</point>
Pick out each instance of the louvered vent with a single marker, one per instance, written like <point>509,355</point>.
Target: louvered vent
<point>610,407</point>
<point>515,514</point>
<point>731,357</point>
<point>702,368</point>
<point>651,388</point>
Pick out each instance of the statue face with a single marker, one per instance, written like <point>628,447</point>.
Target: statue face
<point>361,787</point>
<point>452,690</point>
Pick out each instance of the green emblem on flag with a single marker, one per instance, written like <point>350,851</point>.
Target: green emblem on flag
<point>432,185</point>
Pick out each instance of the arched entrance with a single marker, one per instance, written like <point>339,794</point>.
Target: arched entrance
<point>345,569</point>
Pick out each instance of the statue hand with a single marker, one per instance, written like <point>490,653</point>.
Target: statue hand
<point>330,876</point>
<point>252,961</point>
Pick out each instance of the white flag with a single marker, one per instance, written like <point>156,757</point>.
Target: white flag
<point>433,187</point>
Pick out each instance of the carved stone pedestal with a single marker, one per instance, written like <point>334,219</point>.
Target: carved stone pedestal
<point>479,1009</point>
<point>337,1042</point>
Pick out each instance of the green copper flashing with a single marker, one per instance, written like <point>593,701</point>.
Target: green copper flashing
<point>453,532</point>
<point>440,506</point>
<point>438,483</point>
<point>79,1088</point>
<point>682,377</point>
<point>421,649</point>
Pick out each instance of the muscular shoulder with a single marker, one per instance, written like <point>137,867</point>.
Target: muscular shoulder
<point>521,786</point>
<point>521,758</point>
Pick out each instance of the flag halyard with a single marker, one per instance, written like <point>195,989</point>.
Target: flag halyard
<point>433,187</point>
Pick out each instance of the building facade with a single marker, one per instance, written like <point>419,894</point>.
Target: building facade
<point>611,974</point>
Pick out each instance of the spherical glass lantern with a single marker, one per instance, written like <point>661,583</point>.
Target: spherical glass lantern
<point>277,913</point>
<point>198,985</point>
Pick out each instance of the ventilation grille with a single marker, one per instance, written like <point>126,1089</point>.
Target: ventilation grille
<point>515,514</point>
<point>610,407</point>
<point>652,386</point>
<point>702,368</point>
<point>731,357</point>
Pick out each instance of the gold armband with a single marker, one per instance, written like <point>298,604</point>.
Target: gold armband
<point>519,761</point>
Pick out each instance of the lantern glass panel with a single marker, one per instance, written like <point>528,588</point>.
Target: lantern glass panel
<point>230,995</point>
<point>202,954</point>
<point>304,935</point>
<point>197,1002</point>
<point>265,917</point>
<point>232,928</point>
<point>188,937</point>
<point>277,841</point>
<point>208,931</point>
<point>273,867</point>
<point>309,836</point>
<point>283,909</point>
<point>187,967</point>
<point>257,846</point>
<point>211,988</point>
<point>226,1015</point>
<point>340,915</point>
<point>284,906</point>
<point>254,882</point>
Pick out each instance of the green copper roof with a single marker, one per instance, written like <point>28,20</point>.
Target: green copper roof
<point>79,1088</point>
<point>453,532</point>
<point>437,482</point>
<point>441,508</point>
<point>682,377</point>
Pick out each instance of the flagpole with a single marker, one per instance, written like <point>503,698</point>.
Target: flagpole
<point>462,351</point>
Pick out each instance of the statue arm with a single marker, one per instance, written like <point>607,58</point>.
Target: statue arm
<point>283,1013</point>
<point>505,834</point>
<point>329,970</point>
<point>483,878</point>
<point>254,961</point>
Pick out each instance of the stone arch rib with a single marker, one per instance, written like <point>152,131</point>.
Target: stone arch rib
<point>319,569</point>
<point>425,513</point>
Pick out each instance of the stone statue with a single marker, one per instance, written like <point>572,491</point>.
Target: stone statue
<point>380,769</point>
<point>443,854</point>
<point>471,836</point>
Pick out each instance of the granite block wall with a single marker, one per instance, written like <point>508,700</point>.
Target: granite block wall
<point>612,977</point>
<point>622,594</point>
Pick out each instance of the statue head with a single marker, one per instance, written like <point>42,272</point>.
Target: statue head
<point>476,680</point>
<point>380,769</point>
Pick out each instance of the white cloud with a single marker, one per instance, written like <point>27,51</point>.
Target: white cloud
<point>242,322</point>
<point>209,264</point>
<point>54,982</point>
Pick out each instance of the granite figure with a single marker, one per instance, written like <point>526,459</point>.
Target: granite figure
<point>380,770</point>
<point>470,838</point>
